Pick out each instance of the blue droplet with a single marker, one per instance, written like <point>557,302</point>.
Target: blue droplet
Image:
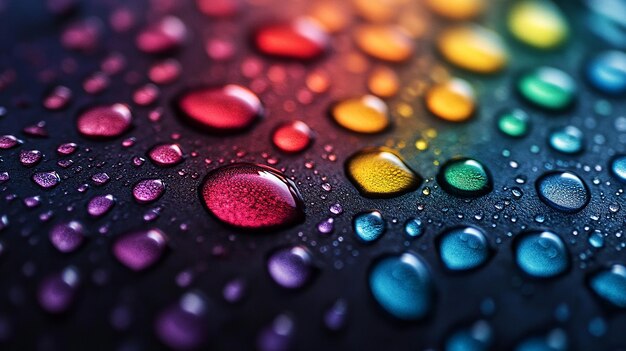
<point>556,340</point>
<point>463,248</point>
<point>568,140</point>
<point>369,226</point>
<point>563,191</point>
<point>596,239</point>
<point>607,72</point>
<point>541,254</point>
<point>402,286</point>
<point>413,227</point>
<point>618,167</point>
<point>610,284</point>
<point>597,327</point>
<point>476,338</point>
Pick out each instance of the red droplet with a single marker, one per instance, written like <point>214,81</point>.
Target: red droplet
<point>229,108</point>
<point>292,137</point>
<point>302,39</point>
<point>165,35</point>
<point>251,196</point>
<point>218,8</point>
<point>104,122</point>
<point>166,154</point>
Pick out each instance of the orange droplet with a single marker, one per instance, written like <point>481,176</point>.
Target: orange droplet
<point>383,82</point>
<point>453,101</point>
<point>457,9</point>
<point>473,48</point>
<point>385,42</point>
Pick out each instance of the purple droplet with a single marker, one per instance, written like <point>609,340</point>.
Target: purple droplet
<point>166,154</point>
<point>326,226</point>
<point>67,149</point>
<point>277,336</point>
<point>336,209</point>
<point>30,158</point>
<point>291,267</point>
<point>4,177</point>
<point>234,290</point>
<point>183,326</point>
<point>140,250</point>
<point>47,180</point>
<point>335,316</point>
<point>36,130</point>
<point>163,36</point>
<point>56,292</point>
<point>58,98</point>
<point>148,190</point>
<point>100,178</point>
<point>32,201</point>
<point>9,141</point>
<point>100,205</point>
<point>104,122</point>
<point>67,237</point>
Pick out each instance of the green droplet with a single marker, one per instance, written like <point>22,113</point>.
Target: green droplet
<point>514,123</point>
<point>465,177</point>
<point>548,88</point>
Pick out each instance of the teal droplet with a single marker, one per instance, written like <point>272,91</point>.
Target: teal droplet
<point>556,340</point>
<point>413,227</point>
<point>610,285</point>
<point>548,88</point>
<point>563,191</point>
<point>463,248</point>
<point>541,254</point>
<point>568,140</point>
<point>514,123</point>
<point>618,167</point>
<point>369,226</point>
<point>465,177</point>
<point>402,286</point>
<point>478,337</point>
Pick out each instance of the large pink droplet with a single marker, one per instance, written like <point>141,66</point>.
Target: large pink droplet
<point>301,39</point>
<point>230,108</point>
<point>163,36</point>
<point>140,250</point>
<point>252,196</point>
<point>104,122</point>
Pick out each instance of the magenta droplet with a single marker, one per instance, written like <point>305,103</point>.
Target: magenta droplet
<point>183,326</point>
<point>30,158</point>
<point>46,180</point>
<point>83,35</point>
<point>218,8</point>
<point>100,178</point>
<point>58,98</point>
<point>290,267</point>
<point>140,250</point>
<point>4,177</point>
<point>9,141</point>
<point>165,72</point>
<point>220,49</point>
<point>301,39</point>
<point>67,149</point>
<point>292,137</point>
<point>57,292</point>
<point>146,95</point>
<point>105,122</point>
<point>99,205</point>
<point>67,237</point>
<point>252,196</point>
<point>163,36</point>
<point>230,108</point>
<point>32,201</point>
<point>148,190</point>
<point>166,154</point>
<point>96,83</point>
<point>36,130</point>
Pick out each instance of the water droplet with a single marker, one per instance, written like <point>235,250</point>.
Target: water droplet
<point>292,137</point>
<point>67,149</point>
<point>57,292</point>
<point>225,109</point>
<point>514,123</point>
<point>219,8</point>
<point>302,39</point>
<point>9,141</point>
<point>541,254</point>
<point>474,48</point>
<point>369,226</point>
<point>384,42</point>
<point>166,155</point>
<point>67,237</point>
<point>457,9</point>
<point>105,122</point>
<point>99,205</point>
<point>366,114</point>
<point>164,36</point>
<point>477,337</point>
<point>463,248</point>
<point>252,196</point>
<point>336,316</point>
<point>58,98</point>
<point>47,180</point>
<point>540,24</point>
<point>402,286</point>
<point>414,227</point>
<point>383,82</point>
<point>452,101</point>
<point>610,285</point>
<point>234,290</point>
<point>607,72</point>
<point>140,250</point>
<point>277,336</point>
<point>563,191</point>
<point>379,172</point>
<point>568,140</point>
<point>291,267</point>
<point>556,340</point>
<point>148,190</point>
<point>618,167</point>
<point>184,325</point>
<point>465,177</point>
<point>30,158</point>
<point>548,88</point>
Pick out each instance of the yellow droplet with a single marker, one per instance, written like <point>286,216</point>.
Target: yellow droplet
<point>367,114</point>
<point>421,145</point>
<point>379,172</point>
<point>404,110</point>
<point>540,24</point>
<point>473,48</point>
<point>457,9</point>
<point>383,81</point>
<point>451,101</point>
<point>384,42</point>
<point>331,15</point>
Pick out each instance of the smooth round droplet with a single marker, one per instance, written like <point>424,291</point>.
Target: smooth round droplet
<point>607,72</point>
<point>291,268</point>
<point>384,42</point>
<point>57,292</point>
<point>452,101</point>
<point>166,155</point>
<point>226,109</point>
<point>541,254</point>
<point>67,237</point>
<point>47,180</point>
<point>548,88</point>
<point>610,285</point>
<point>292,137</point>
<point>148,190</point>
<point>465,177</point>
<point>161,37</point>
<point>367,114</point>
<point>251,196</point>
<point>369,226</point>
<point>618,167</point>
<point>302,39</point>
<point>457,9</point>
<point>99,205</point>
<point>402,286</point>
<point>383,82</point>
<point>9,142</point>
<point>514,123</point>
<point>30,158</point>
<point>379,172</point>
<point>473,48</point>
<point>563,191</point>
<point>477,337</point>
<point>414,227</point>
<point>141,249</point>
<point>184,325</point>
<point>463,248</point>
<point>219,8</point>
<point>538,23</point>
<point>104,122</point>
<point>568,140</point>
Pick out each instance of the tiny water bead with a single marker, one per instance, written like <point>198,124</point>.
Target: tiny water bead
<point>251,196</point>
<point>148,190</point>
<point>538,23</point>
<point>379,172</point>
<point>229,108</point>
<point>563,191</point>
<point>67,237</point>
<point>514,123</point>
<point>568,140</point>
<point>302,39</point>
<point>465,177</point>
<point>46,180</point>
<point>541,254</point>
<point>369,226</point>
<point>473,48</point>
<point>166,155</point>
<point>104,122</point>
<point>141,249</point>
<point>548,88</point>
<point>610,285</point>
<point>366,114</point>
<point>292,137</point>
<point>618,167</point>
<point>291,268</point>
<point>414,227</point>
<point>384,42</point>
<point>463,248</point>
<point>402,286</point>
<point>607,72</point>
<point>457,9</point>
<point>452,101</point>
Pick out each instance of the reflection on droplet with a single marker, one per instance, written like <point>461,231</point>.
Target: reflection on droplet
<point>46,180</point>
<point>163,36</point>
<point>166,155</point>
<point>548,88</point>
<point>104,122</point>
<point>452,101</point>
<point>540,24</point>
<point>618,167</point>
<point>141,249</point>
<point>563,191</point>
<point>610,285</point>
<point>477,337</point>
<point>473,48</point>
<point>463,248</point>
<point>607,72</point>
<point>292,137</point>
<point>568,140</point>
<point>541,254</point>
<point>369,226</point>
<point>67,237</point>
<point>291,268</point>
<point>514,123</point>
<point>148,190</point>
<point>465,177</point>
<point>367,114</point>
<point>99,205</point>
